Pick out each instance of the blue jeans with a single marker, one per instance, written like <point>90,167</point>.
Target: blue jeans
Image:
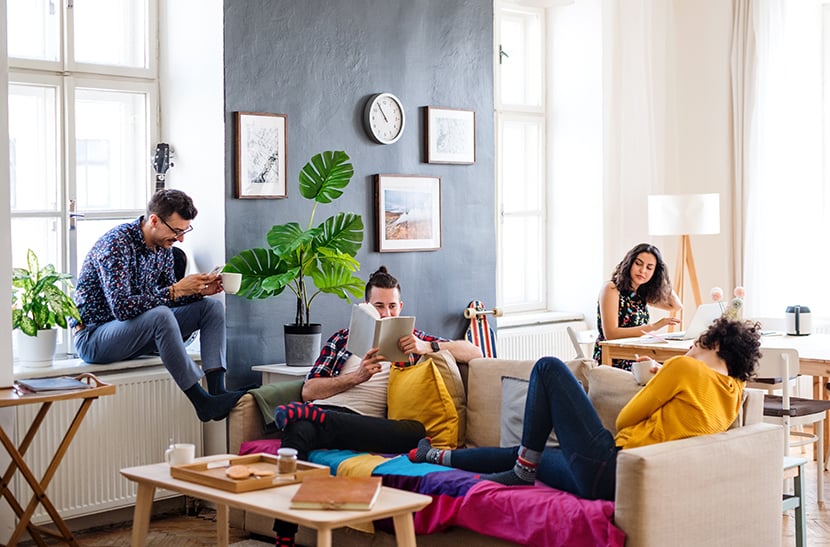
<point>585,463</point>
<point>163,330</point>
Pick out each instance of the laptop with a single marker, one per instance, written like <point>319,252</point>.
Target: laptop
<point>703,317</point>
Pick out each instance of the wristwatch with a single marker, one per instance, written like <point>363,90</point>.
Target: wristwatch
<point>434,345</point>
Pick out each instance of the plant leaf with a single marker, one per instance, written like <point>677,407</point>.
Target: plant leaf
<point>342,232</point>
<point>325,176</point>
<point>263,273</point>
<point>338,280</point>
<point>287,238</point>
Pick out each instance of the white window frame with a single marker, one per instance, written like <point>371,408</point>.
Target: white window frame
<point>518,111</point>
<point>67,76</point>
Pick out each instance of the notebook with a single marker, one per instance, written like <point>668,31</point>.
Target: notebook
<point>704,315</point>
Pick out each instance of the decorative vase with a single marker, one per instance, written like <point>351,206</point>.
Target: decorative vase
<point>36,351</point>
<point>302,344</point>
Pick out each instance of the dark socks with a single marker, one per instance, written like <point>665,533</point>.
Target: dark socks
<point>425,453</point>
<point>216,381</point>
<point>290,413</point>
<point>522,474</point>
<point>212,407</point>
<point>284,541</point>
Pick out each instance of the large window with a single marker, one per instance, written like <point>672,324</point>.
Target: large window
<point>521,171</point>
<point>82,117</point>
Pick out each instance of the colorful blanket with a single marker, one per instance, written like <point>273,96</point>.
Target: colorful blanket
<point>529,515</point>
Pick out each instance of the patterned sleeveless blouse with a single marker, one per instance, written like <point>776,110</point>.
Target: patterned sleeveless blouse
<point>633,313</point>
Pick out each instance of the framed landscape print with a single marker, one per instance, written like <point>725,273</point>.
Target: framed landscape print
<point>261,155</point>
<point>450,135</point>
<point>408,211</point>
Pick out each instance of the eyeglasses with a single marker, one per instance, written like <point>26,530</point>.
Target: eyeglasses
<point>176,231</point>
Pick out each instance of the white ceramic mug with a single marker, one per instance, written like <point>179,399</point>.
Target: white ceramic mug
<point>180,454</point>
<point>642,371</point>
<point>231,282</point>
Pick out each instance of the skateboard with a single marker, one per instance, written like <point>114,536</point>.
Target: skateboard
<point>479,332</point>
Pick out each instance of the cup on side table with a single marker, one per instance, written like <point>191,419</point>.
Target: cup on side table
<point>180,454</point>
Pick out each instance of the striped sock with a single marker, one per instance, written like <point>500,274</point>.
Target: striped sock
<point>425,453</point>
<point>290,413</point>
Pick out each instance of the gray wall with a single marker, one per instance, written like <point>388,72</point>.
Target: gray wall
<point>317,61</point>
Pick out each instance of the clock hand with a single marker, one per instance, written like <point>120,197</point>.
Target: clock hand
<point>380,107</point>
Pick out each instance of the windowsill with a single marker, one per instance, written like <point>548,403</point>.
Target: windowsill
<point>72,367</point>
<point>538,318</point>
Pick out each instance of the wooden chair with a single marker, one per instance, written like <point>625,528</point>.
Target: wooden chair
<point>793,411</point>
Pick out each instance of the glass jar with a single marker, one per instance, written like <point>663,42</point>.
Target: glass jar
<point>287,461</point>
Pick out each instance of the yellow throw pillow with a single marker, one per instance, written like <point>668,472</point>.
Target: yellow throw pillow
<point>448,368</point>
<point>418,393</point>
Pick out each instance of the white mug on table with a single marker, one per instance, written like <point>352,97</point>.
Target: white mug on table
<point>180,453</point>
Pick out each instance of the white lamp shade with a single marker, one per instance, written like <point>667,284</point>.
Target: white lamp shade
<point>683,214</point>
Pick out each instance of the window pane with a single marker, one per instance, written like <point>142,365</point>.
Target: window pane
<point>111,143</point>
<point>522,261</point>
<point>111,32</point>
<point>521,165</point>
<point>33,149</point>
<point>521,68</point>
<point>33,29</point>
<point>42,235</point>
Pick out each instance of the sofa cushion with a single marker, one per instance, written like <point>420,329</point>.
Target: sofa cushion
<point>513,396</point>
<point>419,393</point>
<point>450,373</point>
<point>610,389</point>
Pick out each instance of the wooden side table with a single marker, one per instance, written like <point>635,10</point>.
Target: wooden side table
<point>13,397</point>
<point>272,374</point>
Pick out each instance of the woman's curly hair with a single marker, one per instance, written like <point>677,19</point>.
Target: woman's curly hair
<point>738,343</point>
<point>658,288</point>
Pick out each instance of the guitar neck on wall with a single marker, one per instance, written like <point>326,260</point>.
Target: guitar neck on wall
<point>161,164</point>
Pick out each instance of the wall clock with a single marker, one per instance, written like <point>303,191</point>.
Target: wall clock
<point>383,118</point>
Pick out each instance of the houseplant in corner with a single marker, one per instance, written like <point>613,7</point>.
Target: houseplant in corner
<point>39,306</point>
<point>308,261</point>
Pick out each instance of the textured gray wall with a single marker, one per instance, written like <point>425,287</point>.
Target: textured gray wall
<point>317,61</point>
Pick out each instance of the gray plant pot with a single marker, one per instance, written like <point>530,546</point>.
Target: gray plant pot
<point>302,344</point>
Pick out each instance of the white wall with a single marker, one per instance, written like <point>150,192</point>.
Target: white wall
<point>193,123</point>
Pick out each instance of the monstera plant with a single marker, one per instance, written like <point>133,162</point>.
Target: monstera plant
<point>311,259</point>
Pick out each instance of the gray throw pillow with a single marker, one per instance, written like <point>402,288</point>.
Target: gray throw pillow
<point>513,394</point>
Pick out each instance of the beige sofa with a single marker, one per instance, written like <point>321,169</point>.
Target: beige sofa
<point>722,489</point>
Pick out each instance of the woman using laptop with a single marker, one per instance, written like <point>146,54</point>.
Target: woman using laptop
<point>640,280</point>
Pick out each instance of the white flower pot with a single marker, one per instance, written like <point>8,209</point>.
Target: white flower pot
<point>36,351</point>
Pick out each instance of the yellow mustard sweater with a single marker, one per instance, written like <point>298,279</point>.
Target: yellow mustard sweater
<point>684,399</point>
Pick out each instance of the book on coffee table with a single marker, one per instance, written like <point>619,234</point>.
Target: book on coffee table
<point>337,493</point>
<point>61,383</point>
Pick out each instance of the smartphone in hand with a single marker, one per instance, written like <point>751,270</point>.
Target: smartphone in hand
<point>216,270</point>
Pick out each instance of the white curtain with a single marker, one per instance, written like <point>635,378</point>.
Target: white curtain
<point>778,105</point>
<point>639,109</point>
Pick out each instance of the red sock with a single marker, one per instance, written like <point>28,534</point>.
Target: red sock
<point>290,413</point>
<point>284,541</point>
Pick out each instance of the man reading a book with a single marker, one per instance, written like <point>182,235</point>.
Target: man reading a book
<point>348,392</point>
<point>132,304</point>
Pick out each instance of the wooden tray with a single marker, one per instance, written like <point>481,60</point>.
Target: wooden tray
<point>212,473</point>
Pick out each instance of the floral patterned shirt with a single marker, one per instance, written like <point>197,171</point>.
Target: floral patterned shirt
<point>633,313</point>
<point>122,277</point>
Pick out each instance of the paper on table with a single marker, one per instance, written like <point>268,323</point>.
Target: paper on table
<point>368,330</point>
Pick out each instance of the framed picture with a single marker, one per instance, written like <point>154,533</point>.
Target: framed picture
<point>408,210</point>
<point>261,155</point>
<point>450,135</point>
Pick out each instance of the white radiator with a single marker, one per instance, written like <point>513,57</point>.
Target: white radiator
<point>535,341</point>
<point>132,427</point>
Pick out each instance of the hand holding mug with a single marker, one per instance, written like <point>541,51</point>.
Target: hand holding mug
<point>644,369</point>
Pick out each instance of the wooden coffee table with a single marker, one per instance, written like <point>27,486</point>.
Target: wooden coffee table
<point>271,502</point>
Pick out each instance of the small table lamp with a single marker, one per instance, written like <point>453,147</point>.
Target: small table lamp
<point>684,215</point>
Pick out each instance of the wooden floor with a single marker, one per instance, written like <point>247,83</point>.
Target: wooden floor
<point>198,531</point>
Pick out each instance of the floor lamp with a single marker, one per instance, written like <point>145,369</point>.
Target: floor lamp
<point>684,215</point>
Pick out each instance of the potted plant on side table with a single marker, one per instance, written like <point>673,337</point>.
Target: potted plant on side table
<point>322,254</point>
<point>39,306</point>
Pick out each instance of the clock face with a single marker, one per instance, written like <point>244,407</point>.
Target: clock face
<point>383,118</point>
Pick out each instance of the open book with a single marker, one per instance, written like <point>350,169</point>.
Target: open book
<point>338,493</point>
<point>368,330</point>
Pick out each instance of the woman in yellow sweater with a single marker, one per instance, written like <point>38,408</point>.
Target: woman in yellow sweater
<point>698,393</point>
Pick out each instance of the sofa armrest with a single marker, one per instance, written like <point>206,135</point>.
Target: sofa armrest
<point>722,489</point>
